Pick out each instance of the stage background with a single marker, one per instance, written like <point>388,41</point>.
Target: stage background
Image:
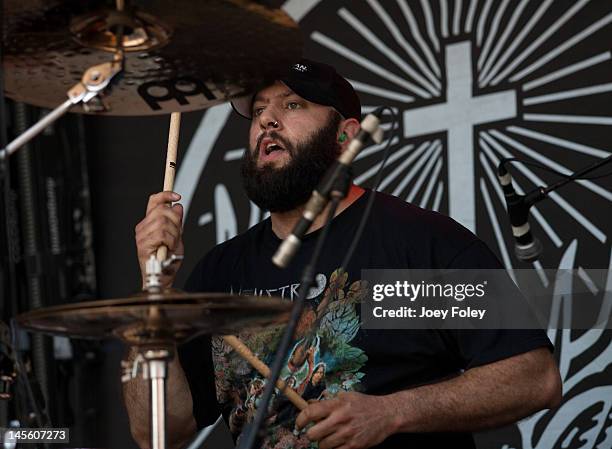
<point>472,81</point>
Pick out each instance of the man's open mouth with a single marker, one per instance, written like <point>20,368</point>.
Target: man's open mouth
<point>271,148</point>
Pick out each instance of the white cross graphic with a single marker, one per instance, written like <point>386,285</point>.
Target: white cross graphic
<point>458,116</point>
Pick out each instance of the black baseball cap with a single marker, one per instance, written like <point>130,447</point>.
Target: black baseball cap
<point>315,82</point>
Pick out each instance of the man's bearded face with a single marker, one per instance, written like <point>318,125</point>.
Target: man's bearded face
<point>281,189</point>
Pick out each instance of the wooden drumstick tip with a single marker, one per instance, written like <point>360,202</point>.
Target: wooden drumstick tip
<point>264,370</point>
<point>173,138</point>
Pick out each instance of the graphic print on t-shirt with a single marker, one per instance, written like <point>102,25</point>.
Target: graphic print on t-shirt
<point>321,363</point>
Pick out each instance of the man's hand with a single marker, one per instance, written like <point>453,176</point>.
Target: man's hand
<point>349,421</point>
<point>162,225</point>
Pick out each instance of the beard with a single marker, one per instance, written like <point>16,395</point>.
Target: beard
<point>288,187</point>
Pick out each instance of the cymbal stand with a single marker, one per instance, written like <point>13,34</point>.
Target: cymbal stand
<point>152,365</point>
<point>152,362</point>
<point>94,80</point>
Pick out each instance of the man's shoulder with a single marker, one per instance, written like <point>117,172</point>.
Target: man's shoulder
<point>396,212</point>
<point>431,237</point>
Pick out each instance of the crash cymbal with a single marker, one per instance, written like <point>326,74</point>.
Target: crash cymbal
<point>179,55</point>
<point>157,318</point>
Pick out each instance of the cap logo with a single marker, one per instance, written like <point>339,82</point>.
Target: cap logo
<point>300,67</point>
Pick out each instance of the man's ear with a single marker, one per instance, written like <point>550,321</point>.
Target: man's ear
<point>346,131</point>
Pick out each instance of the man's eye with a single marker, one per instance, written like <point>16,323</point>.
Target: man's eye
<point>257,111</point>
<point>293,105</point>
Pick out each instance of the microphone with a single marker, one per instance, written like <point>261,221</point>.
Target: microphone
<point>369,129</point>
<point>526,248</point>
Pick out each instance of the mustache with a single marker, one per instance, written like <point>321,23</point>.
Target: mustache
<point>276,136</point>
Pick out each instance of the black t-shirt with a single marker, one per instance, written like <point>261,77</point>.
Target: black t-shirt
<point>341,355</point>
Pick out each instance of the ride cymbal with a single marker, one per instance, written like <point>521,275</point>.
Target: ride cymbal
<point>179,55</point>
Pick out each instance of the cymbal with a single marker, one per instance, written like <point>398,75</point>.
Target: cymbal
<point>179,55</point>
<point>157,318</point>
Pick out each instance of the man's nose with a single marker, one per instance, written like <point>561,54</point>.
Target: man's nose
<point>268,120</point>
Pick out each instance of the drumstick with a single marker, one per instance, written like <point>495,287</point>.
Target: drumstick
<point>263,369</point>
<point>173,136</point>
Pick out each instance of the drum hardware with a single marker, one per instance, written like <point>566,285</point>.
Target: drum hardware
<point>198,56</point>
<point>94,80</point>
<point>178,55</point>
<point>155,323</point>
<point>152,365</point>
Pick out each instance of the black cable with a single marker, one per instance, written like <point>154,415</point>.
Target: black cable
<point>551,170</point>
<point>252,430</point>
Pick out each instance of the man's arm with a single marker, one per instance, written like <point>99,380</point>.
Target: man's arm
<point>487,396</point>
<point>180,423</point>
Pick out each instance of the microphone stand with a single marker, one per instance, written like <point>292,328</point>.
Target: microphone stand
<point>252,431</point>
<point>541,192</point>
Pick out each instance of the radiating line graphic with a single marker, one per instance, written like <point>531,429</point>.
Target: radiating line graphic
<point>366,109</point>
<point>399,38</point>
<point>492,178</point>
<point>364,31</point>
<point>438,198</point>
<point>431,31</point>
<point>414,29</point>
<point>537,265</point>
<point>367,64</point>
<point>374,169</point>
<point>568,70</point>
<point>577,119</point>
<point>413,171</point>
<point>481,22</point>
<point>573,93</point>
<point>376,148</point>
<point>387,126</point>
<point>444,17</point>
<point>588,281</point>
<point>469,21</point>
<point>563,47</point>
<point>492,32</point>
<point>381,92</point>
<point>516,42</point>
<point>386,180</point>
<point>578,147</point>
<point>421,179</point>
<point>538,42</point>
<point>457,16</point>
<point>496,229</point>
<point>432,181</point>
<point>501,41</point>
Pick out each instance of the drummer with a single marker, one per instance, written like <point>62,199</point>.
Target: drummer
<point>385,389</point>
